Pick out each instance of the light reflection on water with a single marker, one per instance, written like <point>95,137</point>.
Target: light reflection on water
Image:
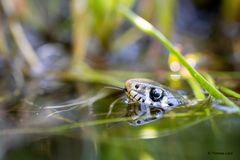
<point>148,133</point>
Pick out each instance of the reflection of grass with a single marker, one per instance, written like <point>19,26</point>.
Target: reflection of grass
<point>150,30</point>
<point>63,128</point>
<point>162,126</point>
<point>175,121</point>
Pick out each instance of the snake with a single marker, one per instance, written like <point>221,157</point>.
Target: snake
<point>150,100</point>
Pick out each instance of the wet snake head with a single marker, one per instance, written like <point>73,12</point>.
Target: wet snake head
<point>152,93</point>
<point>136,90</point>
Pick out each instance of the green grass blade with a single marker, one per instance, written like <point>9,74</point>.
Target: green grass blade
<point>152,31</point>
<point>196,88</point>
<point>229,92</point>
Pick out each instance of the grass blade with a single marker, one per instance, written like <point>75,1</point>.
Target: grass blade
<point>149,29</point>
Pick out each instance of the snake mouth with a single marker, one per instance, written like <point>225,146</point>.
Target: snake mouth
<point>132,93</point>
<point>135,96</point>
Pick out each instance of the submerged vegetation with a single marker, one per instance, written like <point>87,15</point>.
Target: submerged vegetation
<point>64,64</point>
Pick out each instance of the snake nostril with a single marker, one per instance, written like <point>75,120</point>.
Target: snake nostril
<point>125,89</point>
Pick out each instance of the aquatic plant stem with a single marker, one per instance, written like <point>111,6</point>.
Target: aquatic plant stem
<point>229,92</point>
<point>20,38</point>
<point>196,88</point>
<point>80,31</point>
<point>24,45</point>
<point>149,29</point>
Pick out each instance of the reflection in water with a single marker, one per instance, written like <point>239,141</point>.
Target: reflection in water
<point>148,133</point>
<point>141,114</point>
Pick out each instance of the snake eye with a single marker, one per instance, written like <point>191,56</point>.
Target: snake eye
<point>136,86</point>
<point>155,94</point>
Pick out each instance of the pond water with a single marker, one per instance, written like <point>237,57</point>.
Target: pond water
<point>35,130</point>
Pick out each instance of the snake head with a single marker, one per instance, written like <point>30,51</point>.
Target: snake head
<point>152,93</point>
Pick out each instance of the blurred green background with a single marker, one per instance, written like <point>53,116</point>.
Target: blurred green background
<point>60,51</point>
